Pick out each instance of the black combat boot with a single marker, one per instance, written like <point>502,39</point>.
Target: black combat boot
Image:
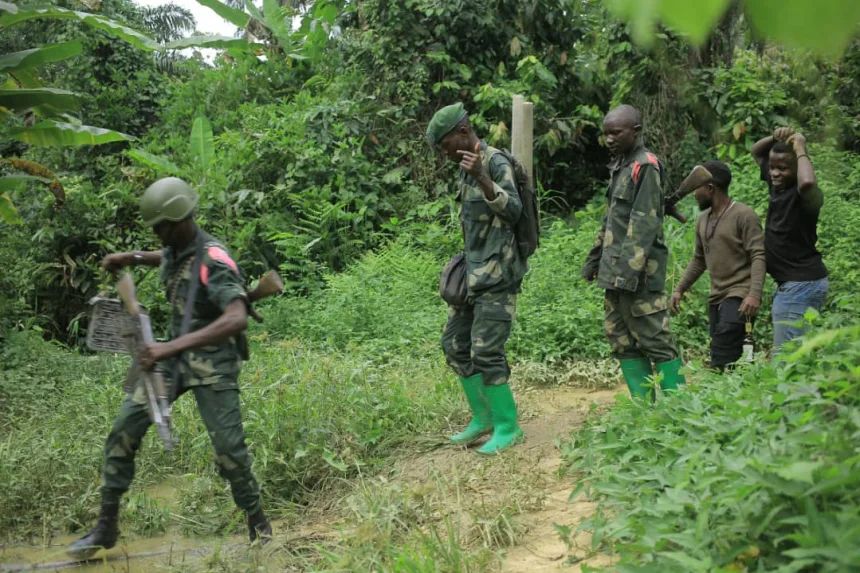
<point>259,527</point>
<point>102,536</point>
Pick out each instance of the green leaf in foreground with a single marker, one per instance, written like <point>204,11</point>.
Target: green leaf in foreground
<point>154,162</point>
<point>696,19</point>
<point>799,471</point>
<point>222,42</point>
<point>825,26</point>
<point>236,17</point>
<point>56,133</point>
<point>28,59</point>
<point>202,146</point>
<point>32,97</point>
<point>8,212</point>
<point>11,14</point>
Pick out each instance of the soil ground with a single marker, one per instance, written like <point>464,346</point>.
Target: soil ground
<point>512,502</point>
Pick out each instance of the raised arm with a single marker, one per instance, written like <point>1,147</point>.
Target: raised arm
<point>807,184</point>
<point>762,146</point>
<point>117,261</point>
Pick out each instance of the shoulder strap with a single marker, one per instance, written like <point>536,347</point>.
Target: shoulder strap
<point>190,298</point>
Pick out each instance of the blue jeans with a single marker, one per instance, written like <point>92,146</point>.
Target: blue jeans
<point>790,302</point>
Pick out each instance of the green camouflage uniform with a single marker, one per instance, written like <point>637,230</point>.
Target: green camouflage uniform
<point>630,257</point>
<point>210,372</point>
<point>474,336</point>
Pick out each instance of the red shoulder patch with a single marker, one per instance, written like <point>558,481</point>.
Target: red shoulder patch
<point>652,159</point>
<point>636,167</point>
<point>220,255</point>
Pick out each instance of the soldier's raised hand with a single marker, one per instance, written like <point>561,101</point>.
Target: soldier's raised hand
<point>471,161</point>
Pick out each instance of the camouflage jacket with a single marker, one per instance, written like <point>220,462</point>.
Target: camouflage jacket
<point>220,284</point>
<point>493,261</point>
<point>629,253</point>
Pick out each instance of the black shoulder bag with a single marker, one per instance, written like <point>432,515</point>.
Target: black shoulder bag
<point>452,283</point>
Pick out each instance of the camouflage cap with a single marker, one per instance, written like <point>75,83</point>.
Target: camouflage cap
<point>444,121</point>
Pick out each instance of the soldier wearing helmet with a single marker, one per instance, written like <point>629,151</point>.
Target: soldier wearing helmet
<point>205,361</point>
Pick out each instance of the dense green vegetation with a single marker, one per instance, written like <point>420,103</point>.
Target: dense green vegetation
<point>757,471</point>
<point>312,160</point>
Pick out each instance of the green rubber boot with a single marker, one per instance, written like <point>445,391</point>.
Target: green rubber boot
<point>482,423</point>
<point>506,431</point>
<point>636,372</point>
<point>671,377</point>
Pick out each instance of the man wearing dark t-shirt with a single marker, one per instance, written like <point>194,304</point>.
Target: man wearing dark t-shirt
<point>791,231</point>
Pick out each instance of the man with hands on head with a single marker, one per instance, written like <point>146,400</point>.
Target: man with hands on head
<point>791,231</point>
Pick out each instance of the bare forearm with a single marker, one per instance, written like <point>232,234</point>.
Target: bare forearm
<point>805,173</point>
<point>233,321</point>
<point>762,148</point>
<point>144,258</point>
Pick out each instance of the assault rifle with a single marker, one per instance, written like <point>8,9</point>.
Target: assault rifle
<point>158,404</point>
<point>157,401</point>
<point>698,176</point>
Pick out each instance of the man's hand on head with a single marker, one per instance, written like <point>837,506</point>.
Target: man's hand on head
<point>798,142</point>
<point>783,133</point>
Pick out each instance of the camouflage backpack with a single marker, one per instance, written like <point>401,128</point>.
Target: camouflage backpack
<point>527,229</point>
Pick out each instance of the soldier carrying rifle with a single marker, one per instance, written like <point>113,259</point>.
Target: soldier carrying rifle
<point>203,355</point>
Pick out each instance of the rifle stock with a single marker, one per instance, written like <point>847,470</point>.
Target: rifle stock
<point>698,176</point>
<point>128,294</point>
<point>157,401</point>
<point>268,285</point>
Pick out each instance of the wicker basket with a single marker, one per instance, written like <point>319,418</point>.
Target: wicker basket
<point>111,327</point>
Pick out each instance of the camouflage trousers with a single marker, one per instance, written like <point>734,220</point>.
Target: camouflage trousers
<point>474,337</point>
<point>637,325</point>
<point>218,405</point>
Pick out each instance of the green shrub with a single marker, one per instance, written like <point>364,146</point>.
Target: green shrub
<point>756,470</point>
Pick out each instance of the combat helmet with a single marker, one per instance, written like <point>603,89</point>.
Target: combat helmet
<point>168,199</point>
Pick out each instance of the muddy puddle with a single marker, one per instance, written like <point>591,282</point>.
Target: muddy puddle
<point>131,555</point>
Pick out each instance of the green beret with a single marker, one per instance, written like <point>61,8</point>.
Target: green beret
<point>445,120</point>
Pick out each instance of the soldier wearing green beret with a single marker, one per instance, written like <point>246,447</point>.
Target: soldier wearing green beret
<point>474,335</point>
<point>208,359</point>
<point>629,258</point>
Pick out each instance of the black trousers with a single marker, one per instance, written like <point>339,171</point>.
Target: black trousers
<point>727,332</point>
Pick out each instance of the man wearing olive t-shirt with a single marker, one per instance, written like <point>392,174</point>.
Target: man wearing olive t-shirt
<point>791,231</point>
<point>729,244</point>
